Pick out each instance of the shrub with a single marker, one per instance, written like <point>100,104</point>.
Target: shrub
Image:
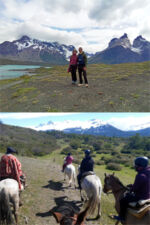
<point>113,166</point>
<point>99,162</point>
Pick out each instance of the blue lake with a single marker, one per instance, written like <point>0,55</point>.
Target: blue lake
<point>13,71</point>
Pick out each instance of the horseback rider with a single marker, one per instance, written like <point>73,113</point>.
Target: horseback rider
<point>68,160</point>
<point>10,167</point>
<point>140,190</point>
<point>87,164</point>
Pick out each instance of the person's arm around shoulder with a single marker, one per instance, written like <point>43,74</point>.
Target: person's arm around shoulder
<point>69,65</point>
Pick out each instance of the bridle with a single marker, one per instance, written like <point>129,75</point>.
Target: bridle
<point>70,217</point>
<point>116,191</point>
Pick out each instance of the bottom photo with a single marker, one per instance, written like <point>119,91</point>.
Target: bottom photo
<point>75,168</point>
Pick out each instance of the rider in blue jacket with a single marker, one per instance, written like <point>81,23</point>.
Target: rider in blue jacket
<point>87,164</point>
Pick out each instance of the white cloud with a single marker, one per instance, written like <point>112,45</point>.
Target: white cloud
<point>19,116</point>
<point>130,123</point>
<point>70,124</point>
<point>57,20</point>
<point>124,123</point>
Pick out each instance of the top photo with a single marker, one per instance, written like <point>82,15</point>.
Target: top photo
<point>74,56</point>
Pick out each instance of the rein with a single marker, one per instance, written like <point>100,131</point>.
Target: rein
<point>114,192</point>
<point>70,217</point>
<point>73,218</point>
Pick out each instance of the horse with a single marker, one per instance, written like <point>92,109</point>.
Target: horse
<point>66,215</point>
<point>91,184</point>
<point>9,196</point>
<point>71,173</point>
<point>112,183</point>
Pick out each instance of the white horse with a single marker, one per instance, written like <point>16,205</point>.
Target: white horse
<point>9,196</point>
<point>71,173</point>
<point>91,184</point>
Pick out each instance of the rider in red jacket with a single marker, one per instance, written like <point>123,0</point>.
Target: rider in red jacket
<point>68,160</point>
<point>10,167</point>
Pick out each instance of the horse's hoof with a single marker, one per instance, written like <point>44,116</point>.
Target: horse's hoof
<point>98,217</point>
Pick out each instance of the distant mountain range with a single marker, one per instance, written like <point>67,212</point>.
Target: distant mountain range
<point>119,50</point>
<point>96,127</point>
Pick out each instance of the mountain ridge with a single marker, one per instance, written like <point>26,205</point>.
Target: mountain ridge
<point>119,50</point>
<point>99,128</point>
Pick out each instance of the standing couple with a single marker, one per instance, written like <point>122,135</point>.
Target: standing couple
<point>78,61</point>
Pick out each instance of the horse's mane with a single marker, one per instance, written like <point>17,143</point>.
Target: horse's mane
<point>118,181</point>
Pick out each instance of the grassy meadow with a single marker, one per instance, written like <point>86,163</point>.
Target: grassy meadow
<point>112,88</point>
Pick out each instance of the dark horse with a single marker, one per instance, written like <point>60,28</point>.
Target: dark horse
<point>66,215</point>
<point>133,217</point>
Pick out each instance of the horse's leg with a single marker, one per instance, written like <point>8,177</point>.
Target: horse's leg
<point>16,208</point>
<point>81,196</point>
<point>99,212</point>
<point>74,179</point>
<point>64,176</point>
<point>70,180</point>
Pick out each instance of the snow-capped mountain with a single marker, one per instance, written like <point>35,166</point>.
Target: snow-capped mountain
<point>93,127</point>
<point>120,50</point>
<point>33,50</point>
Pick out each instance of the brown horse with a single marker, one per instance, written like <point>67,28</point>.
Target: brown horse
<point>133,217</point>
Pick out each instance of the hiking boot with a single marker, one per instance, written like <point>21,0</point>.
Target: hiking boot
<point>79,85</point>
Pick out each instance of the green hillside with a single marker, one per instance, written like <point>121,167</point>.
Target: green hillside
<point>111,152</point>
<point>26,141</point>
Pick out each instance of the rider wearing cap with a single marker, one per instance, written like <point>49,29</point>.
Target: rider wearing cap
<point>140,190</point>
<point>10,167</point>
<point>68,160</point>
<point>87,164</point>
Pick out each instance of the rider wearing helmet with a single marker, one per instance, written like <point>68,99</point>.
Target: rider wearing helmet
<point>87,164</point>
<point>68,160</point>
<point>140,190</point>
<point>10,167</point>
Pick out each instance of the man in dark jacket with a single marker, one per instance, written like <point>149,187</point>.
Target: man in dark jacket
<point>140,190</point>
<point>82,63</point>
<point>87,164</point>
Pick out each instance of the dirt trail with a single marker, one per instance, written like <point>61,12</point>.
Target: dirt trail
<point>46,190</point>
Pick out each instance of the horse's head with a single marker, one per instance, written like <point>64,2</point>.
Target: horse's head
<point>76,219</point>
<point>107,183</point>
<point>112,183</point>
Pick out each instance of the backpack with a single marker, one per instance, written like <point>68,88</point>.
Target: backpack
<point>81,59</point>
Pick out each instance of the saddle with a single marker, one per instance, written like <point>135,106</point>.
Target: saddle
<point>86,174</point>
<point>139,209</point>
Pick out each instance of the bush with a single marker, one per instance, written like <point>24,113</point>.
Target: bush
<point>99,162</point>
<point>113,166</point>
<point>75,144</point>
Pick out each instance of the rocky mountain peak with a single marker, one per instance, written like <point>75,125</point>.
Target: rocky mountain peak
<point>124,36</point>
<point>24,38</point>
<point>140,42</point>
<point>122,41</point>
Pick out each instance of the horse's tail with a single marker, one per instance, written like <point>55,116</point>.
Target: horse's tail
<point>94,199</point>
<point>74,177</point>
<point>5,209</point>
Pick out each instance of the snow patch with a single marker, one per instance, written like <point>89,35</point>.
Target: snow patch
<point>137,50</point>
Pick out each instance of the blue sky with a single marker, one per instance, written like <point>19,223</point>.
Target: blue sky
<point>87,23</point>
<point>124,121</point>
